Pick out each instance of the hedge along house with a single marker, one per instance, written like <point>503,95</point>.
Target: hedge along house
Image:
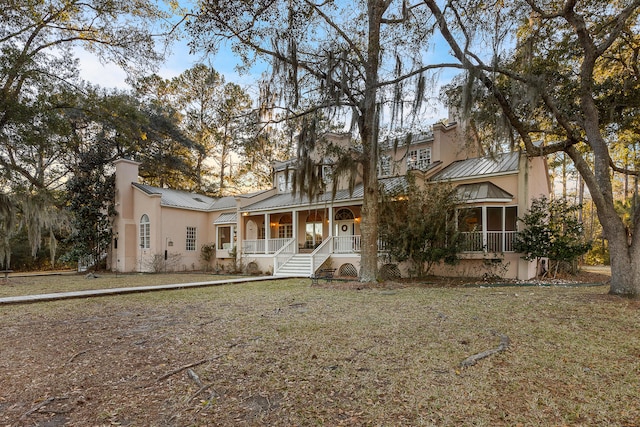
<point>282,232</point>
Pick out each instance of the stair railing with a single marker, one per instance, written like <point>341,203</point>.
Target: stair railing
<point>320,254</point>
<point>284,254</point>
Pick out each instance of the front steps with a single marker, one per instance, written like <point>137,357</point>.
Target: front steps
<point>298,266</point>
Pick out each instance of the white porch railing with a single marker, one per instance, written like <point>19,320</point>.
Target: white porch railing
<point>253,246</point>
<point>346,244</point>
<point>284,254</point>
<point>489,241</point>
<point>263,246</point>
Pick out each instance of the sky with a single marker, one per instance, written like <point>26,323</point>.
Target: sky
<point>108,75</point>
<point>180,59</point>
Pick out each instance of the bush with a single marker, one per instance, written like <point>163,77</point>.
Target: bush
<point>552,230</point>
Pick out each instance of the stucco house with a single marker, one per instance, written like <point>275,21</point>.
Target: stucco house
<point>280,232</point>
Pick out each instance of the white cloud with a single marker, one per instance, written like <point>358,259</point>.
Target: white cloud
<point>105,75</point>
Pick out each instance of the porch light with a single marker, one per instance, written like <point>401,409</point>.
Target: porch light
<point>357,219</point>
<point>245,213</point>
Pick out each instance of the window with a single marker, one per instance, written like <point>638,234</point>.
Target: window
<point>145,232</point>
<point>191,239</point>
<point>384,168</point>
<point>327,173</point>
<point>344,214</point>
<point>285,227</point>
<point>313,230</point>
<point>285,185</point>
<point>224,237</point>
<point>419,159</point>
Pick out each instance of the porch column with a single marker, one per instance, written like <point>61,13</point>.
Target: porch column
<point>484,229</point>
<point>294,220</point>
<point>267,233</point>
<point>331,221</point>
<point>234,237</point>
<point>504,228</point>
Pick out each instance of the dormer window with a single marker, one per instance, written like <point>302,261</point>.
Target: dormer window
<point>327,172</point>
<point>285,185</point>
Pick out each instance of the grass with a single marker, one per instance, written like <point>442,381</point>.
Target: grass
<point>284,353</point>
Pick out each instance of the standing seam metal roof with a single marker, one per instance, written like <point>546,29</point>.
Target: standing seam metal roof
<point>227,218</point>
<point>480,166</point>
<point>392,184</point>
<point>482,191</point>
<point>187,200</point>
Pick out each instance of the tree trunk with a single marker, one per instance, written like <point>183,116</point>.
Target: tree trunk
<point>368,133</point>
<point>625,269</point>
<point>623,249</point>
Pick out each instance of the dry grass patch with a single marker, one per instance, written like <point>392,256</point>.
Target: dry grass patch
<point>283,353</point>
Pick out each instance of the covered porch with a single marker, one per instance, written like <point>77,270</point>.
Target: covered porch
<point>305,230</point>
<point>488,228</point>
<point>298,241</point>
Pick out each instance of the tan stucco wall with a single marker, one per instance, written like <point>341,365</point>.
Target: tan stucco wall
<point>167,225</point>
<point>123,251</point>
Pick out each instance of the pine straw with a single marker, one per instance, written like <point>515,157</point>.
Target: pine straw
<point>284,353</point>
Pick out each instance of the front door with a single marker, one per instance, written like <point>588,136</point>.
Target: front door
<point>344,236</point>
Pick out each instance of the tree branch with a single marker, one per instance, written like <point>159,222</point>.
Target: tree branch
<point>472,360</point>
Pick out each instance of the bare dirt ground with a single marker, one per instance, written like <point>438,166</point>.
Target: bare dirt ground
<point>285,353</point>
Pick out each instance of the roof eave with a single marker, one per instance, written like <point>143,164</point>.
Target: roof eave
<point>488,200</point>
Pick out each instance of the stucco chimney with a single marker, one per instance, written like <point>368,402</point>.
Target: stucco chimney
<point>126,173</point>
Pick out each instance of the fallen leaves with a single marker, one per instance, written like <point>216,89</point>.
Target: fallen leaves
<point>285,353</point>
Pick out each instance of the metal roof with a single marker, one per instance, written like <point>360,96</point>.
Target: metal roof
<point>187,200</point>
<point>394,185</point>
<point>480,166</point>
<point>482,191</point>
<point>286,200</point>
<point>294,199</point>
<point>227,218</point>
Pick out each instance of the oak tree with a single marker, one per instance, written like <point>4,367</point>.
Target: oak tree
<point>350,62</point>
<point>545,63</point>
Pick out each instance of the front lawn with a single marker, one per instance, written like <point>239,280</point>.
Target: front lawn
<point>283,353</point>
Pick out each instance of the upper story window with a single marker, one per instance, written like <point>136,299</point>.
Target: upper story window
<point>285,185</point>
<point>384,167</point>
<point>327,172</point>
<point>419,158</point>
<point>191,239</point>
<point>145,232</point>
